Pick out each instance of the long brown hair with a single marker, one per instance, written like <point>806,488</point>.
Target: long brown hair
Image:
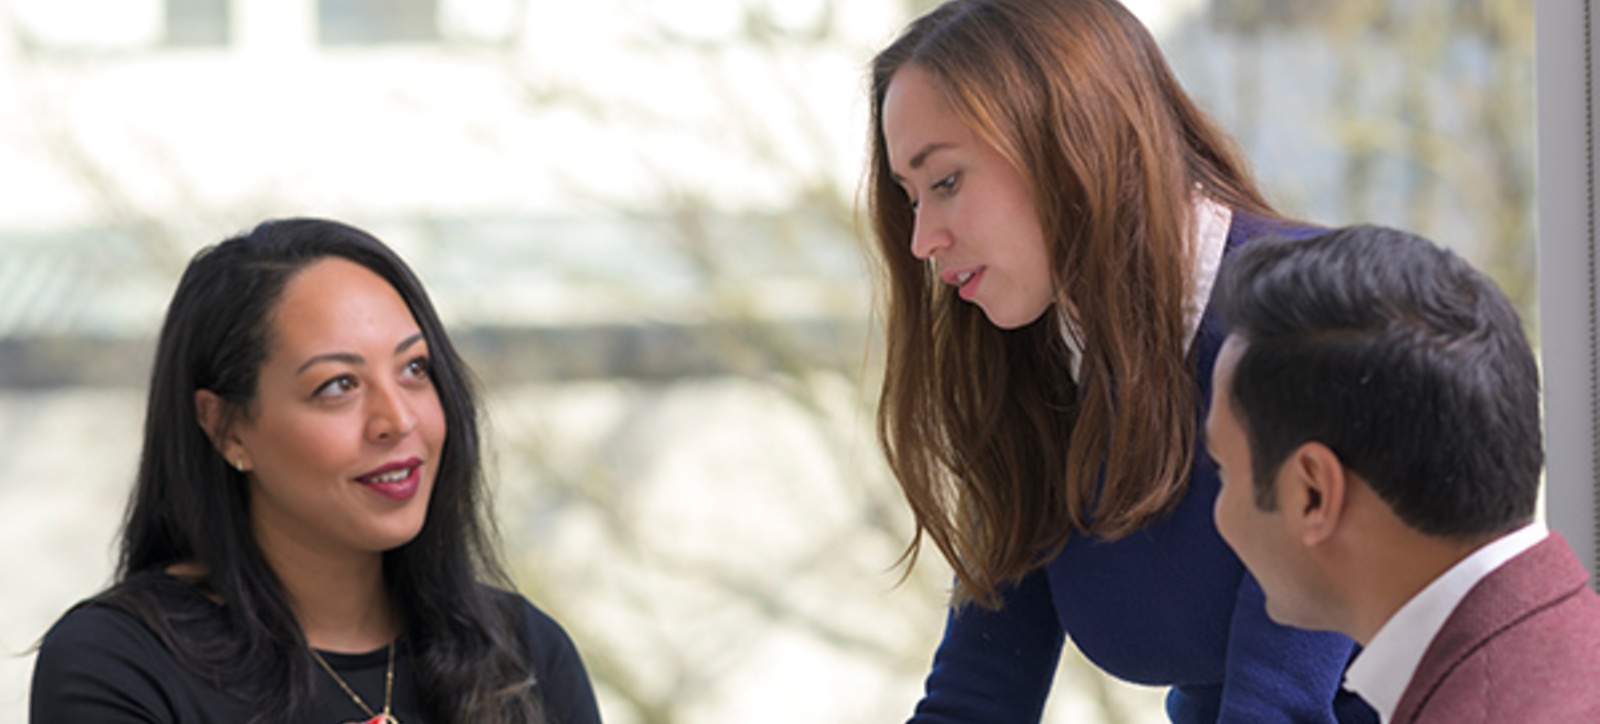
<point>1001,454</point>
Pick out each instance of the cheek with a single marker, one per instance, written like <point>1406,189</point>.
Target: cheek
<point>1219,515</point>
<point>309,444</point>
<point>301,465</point>
<point>431,422</point>
<point>1226,513</point>
<point>314,468</point>
<point>1035,252</point>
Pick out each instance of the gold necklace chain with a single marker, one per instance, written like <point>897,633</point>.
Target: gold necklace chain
<point>383,717</point>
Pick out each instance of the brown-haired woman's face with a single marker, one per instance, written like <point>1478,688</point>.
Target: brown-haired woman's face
<point>343,439</point>
<point>976,217</point>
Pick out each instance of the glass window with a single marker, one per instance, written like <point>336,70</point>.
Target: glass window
<point>364,22</point>
<point>199,23</point>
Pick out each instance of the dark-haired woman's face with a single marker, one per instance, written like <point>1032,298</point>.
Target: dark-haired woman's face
<point>343,440</point>
<point>976,217</point>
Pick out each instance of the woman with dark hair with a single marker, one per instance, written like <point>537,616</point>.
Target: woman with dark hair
<point>1050,209</point>
<point>307,539</point>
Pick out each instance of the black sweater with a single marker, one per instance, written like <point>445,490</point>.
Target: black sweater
<point>104,665</point>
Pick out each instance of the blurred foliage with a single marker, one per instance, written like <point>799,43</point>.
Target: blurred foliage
<point>784,543</point>
<point>1431,116</point>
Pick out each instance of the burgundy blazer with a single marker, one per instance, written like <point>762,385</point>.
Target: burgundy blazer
<point>1523,646</point>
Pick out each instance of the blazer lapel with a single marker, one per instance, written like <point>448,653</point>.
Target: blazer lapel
<point>1540,576</point>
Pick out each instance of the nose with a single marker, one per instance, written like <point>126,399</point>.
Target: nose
<point>389,416</point>
<point>929,235</point>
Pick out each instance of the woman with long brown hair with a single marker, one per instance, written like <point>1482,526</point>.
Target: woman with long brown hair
<point>1050,209</point>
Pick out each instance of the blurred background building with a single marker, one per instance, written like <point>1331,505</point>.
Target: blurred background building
<point>640,219</point>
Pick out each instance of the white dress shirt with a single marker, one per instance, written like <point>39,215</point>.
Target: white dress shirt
<point>1383,670</point>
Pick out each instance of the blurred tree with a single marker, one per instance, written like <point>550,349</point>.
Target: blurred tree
<point>1437,126</point>
<point>1431,114</point>
<point>714,510</point>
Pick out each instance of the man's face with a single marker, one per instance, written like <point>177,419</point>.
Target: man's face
<point>1263,538</point>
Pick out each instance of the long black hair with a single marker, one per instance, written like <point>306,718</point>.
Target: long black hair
<point>190,507</point>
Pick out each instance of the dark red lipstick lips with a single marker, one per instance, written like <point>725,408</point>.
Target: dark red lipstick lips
<point>388,481</point>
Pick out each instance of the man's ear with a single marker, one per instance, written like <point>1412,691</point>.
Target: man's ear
<point>1313,495</point>
<point>212,412</point>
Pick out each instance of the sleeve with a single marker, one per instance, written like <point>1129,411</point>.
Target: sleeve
<point>995,667</point>
<point>563,680</point>
<point>1277,673</point>
<point>94,666</point>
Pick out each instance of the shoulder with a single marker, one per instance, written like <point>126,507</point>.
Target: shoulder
<point>130,620</point>
<point>1543,588</point>
<point>547,641</point>
<point>539,630</point>
<point>99,658</point>
<point>563,678</point>
<point>1526,639</point>
<point>111,659</point>
<point>1246,227</point>
<point>93,625</point>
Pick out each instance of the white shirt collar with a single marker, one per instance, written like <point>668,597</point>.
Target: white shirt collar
<point>1208,236</point>
<point>1383,670</point>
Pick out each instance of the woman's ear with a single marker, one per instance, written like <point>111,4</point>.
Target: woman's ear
<point>212,412</point>
<point>1318,484</point>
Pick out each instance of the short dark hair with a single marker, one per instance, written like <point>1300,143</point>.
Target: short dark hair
<point>1406,362</point>
<point>189,505</point>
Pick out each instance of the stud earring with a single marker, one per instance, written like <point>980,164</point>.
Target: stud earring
<point>239,465</point>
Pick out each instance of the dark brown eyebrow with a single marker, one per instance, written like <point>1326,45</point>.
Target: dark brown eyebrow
<point>921,157</point>
<point>407,342</point>
<point>345,357</point>
<point>353,358</point>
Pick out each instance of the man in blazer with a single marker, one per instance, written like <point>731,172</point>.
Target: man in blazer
<point>1375,420</point>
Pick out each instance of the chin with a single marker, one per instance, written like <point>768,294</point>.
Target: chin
<point>1299,617</point>
<point>1009,321</point>
<point>399,536</point>
<point>390,545</point>
<point>1278,616</point>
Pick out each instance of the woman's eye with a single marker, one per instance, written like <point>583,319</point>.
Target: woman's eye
<point>943,186</point>
<point>340,385</point>
<point>419,368</point>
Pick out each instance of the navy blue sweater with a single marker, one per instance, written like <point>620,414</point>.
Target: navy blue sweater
<point>1169,605</point>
